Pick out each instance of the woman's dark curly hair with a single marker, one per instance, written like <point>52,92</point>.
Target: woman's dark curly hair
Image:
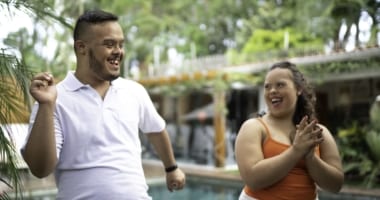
<point>307,99</point>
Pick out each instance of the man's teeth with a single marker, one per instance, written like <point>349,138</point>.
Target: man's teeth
<point>115,62</point>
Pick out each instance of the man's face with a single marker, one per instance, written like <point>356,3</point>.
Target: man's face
<point>105,53</point>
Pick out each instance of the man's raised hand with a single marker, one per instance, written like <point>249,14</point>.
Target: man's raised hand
<point>43,89</point>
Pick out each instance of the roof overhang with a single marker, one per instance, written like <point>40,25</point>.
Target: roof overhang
<point>362,54</point>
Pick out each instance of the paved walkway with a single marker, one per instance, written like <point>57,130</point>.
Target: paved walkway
<point>153,169</point>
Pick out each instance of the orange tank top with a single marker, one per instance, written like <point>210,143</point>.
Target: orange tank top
<point>296,185</point>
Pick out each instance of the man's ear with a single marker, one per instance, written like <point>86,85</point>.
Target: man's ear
<point>80,47</point>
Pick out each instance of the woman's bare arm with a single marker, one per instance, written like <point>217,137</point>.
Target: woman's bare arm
<point>256,171</point>
<point>326,170</point>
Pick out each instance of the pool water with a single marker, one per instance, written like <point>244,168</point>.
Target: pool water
<point>198,189</point>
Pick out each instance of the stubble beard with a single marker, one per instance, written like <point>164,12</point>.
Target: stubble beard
<point>98,68</point>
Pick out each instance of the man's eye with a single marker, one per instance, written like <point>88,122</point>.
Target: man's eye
<point>109,44</point>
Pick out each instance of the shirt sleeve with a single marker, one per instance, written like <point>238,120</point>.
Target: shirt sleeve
<point>150,119</point>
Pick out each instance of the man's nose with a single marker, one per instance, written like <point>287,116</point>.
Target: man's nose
<point>117,49</point>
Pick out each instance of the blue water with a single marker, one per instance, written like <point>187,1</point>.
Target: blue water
<point>213,189</point>
<point>198,189</point>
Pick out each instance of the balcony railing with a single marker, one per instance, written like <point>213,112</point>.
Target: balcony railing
<point>256,62</point>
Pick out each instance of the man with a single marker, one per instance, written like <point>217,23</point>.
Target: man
<point>86,128</point>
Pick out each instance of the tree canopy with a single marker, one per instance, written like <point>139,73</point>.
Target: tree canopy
<point>194,28</point>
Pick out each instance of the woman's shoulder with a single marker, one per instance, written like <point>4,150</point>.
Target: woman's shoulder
<point>325,130</point>
<point>251,125</point>
<point>327,135</point>
<point>251,133</point>
<point>251,121</point>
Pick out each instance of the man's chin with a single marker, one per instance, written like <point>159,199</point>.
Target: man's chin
<point>110,76</point>
<point>113,77</point>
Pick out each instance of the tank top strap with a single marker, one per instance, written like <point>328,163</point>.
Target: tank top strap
<point>265,126</point>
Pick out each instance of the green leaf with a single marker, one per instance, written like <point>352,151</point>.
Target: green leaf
<point>373,141</point>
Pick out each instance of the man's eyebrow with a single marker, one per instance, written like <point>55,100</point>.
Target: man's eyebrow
<point>114,40</point>
<point>109,40</point>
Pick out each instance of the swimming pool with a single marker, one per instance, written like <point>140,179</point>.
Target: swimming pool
<point>197,188</point>
<point>202,188</point>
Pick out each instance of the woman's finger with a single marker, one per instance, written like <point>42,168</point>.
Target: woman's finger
<point>302,123</point>
<point>310,127</point>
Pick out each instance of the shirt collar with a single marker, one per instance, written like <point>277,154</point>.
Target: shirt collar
<point>71,82</point>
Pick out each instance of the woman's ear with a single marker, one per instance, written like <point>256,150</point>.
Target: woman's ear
<point>299,92</point>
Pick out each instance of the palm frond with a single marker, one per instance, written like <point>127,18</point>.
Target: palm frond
<point>41,10</point>
<point>14,103</point>
<point>8,163</point>
<point>14,88</point>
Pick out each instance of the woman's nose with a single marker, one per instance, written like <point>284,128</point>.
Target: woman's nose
<point>272,90</point>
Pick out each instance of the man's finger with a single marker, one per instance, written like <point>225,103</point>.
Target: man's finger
<point>174,186</point>
<point>43,77</point>
<point>39,83</point>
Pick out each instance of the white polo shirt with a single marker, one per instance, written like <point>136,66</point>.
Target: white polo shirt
<point>98,142</point>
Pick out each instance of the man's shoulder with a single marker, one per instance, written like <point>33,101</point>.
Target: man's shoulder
<point>126,83</point>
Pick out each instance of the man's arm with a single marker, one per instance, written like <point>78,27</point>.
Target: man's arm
<point>40,149</point>
<point>175,178</point>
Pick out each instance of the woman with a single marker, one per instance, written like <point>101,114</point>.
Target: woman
<point>285,153</point>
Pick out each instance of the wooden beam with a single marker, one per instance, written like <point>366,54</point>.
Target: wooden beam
<point>219,126</point>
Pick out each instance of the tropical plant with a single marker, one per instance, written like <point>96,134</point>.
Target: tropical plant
<point>373,142</point>
<point>14,77</point>
<point>360,150</point>
<point>266,44</point>
<point>353,150</point>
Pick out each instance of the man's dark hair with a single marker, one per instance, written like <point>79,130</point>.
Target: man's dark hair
<point>91,17</point>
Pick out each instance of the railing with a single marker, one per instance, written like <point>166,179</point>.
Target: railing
<point>206,63</point>
<point>257,60</point>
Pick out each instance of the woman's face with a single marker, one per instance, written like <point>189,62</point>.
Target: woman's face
<point>280,92</point>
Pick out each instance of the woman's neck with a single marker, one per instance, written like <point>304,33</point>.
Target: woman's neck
<point>279,119</point>
<point>282,123</point>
